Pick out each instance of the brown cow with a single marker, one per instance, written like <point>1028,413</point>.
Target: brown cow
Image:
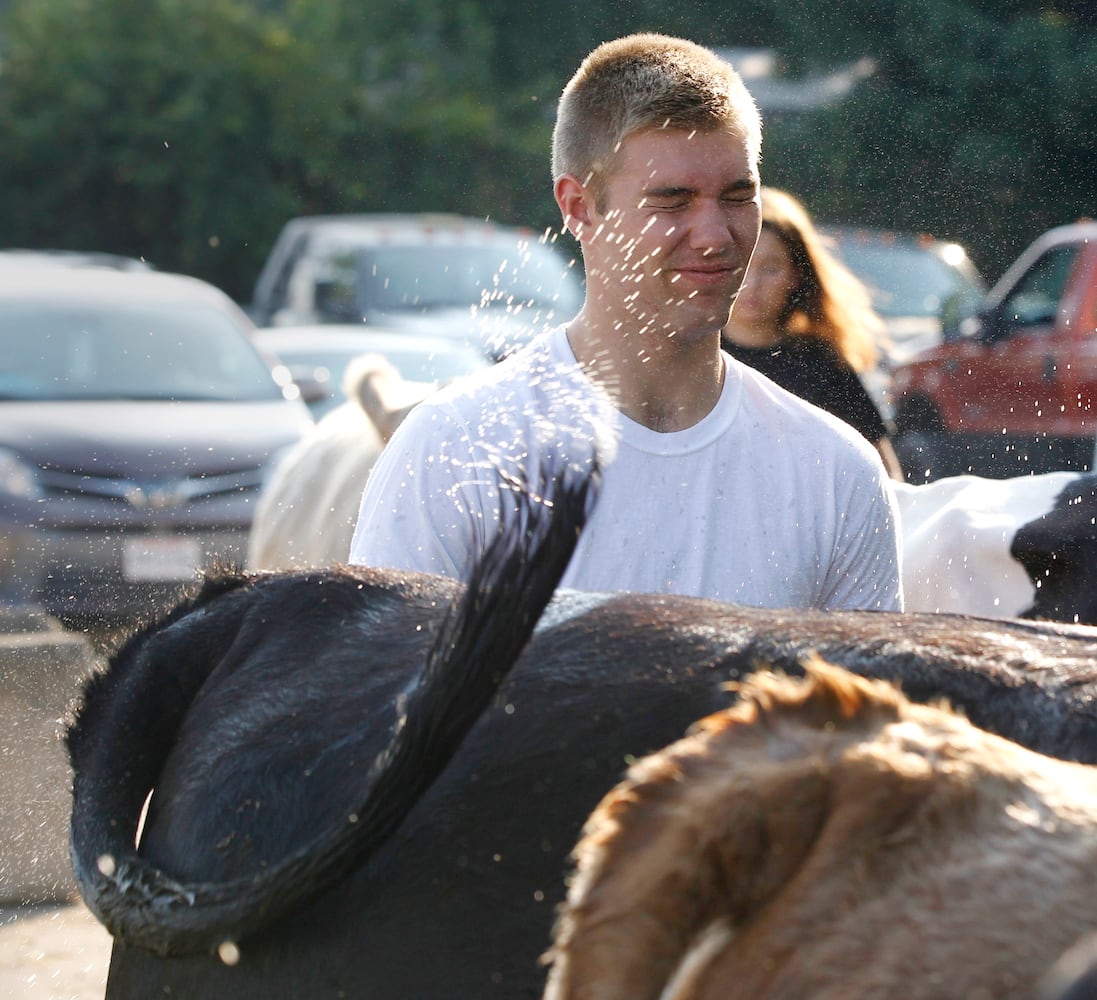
<point>827,838</point>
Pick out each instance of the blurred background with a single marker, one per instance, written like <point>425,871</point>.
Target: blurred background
<point>186,132</point>
<point>149,136</point>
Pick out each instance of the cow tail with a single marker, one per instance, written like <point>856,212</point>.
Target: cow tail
<point>480,639</point>
<point>123,729</point>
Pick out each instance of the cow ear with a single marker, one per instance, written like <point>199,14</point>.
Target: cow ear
<point>675,857</point>
<point>705,837</point>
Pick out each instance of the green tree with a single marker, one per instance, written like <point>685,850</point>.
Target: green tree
<point>972,128</point>
<point>188,131</point>
<point>431,131</point>
<point>170,129</point>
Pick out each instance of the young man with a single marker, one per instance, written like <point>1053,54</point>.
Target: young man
<point>716,482</point>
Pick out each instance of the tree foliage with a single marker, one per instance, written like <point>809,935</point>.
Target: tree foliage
<point>188,131</point>
<point>973,127</point>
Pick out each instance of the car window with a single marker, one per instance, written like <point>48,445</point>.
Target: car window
<point>431,277</point>
<point>1035,298</point>
<point>62,351</point>
<point>337,290</point>
<point>403,277</point>
<point>280,286</point>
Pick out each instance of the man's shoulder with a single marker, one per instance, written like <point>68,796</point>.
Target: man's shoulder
<point>796,423</point>
<point>538,369</point>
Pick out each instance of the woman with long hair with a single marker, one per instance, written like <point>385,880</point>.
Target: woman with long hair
<point>806,321</point>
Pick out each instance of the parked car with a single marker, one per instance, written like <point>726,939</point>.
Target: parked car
<point>17,257</point>
<point>1013,388</point>
<point>137,424</point>
<point>491,285</point>
<point>912,278</point>
<point>317,357</point>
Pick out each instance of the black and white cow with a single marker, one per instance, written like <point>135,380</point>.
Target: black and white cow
<point>1020,547</point>
<point>289,725</point>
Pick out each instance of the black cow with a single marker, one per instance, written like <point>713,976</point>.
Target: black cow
<point>295,845</point>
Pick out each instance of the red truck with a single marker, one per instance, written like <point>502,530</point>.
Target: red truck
<point>1012,389</point>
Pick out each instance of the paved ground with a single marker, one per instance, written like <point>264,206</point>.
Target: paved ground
<point>52,952</point>
<point>48,950</point>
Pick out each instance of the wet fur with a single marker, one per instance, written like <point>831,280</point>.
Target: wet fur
<point>826,838</point>
<point>159,682</point>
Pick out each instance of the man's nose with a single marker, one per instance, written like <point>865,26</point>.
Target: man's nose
<point>710,231</point>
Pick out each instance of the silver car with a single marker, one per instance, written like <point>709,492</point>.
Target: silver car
<point>137,424</point>
<point>493,286</point>
<point>913,278</point>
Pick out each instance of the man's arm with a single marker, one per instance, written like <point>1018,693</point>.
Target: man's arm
<point>867,573</point>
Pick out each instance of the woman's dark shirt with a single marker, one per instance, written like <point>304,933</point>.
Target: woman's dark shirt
<point>812,369</point>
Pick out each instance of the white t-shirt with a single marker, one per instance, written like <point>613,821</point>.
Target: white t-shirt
<point>767,501</point>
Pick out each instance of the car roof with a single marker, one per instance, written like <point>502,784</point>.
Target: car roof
<point>439,227</point>
<point>951,252</point>
<point>49,283</point>
<point>894,237</point>
<point>25,257</point>
<point>1073,232</point>
<point>1070,233</point>
<point>417,221</point>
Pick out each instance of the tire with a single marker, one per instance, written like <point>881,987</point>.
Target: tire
<point>923,446</point>
<point>925,455</point>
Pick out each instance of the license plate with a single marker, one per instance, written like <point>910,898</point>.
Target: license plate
<point>160,558</point>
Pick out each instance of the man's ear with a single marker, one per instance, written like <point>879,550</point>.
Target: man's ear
<point>576,202</point>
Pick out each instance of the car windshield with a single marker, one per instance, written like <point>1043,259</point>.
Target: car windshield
<point>419,277</point>
<point>906,280</point>
<point>179,351</point>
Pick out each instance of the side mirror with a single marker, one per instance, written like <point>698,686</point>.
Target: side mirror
<point>982,327</point>
<point>960,318</point>
<point>951,311</point>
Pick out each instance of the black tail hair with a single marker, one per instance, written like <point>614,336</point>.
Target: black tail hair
<point>481,637</point>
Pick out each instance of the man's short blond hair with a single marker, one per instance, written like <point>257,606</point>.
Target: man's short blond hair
<point>646,81</point>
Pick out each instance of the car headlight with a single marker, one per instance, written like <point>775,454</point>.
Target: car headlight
<point>17,478</point>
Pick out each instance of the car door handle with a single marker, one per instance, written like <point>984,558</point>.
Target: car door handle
<point>1051,368</point>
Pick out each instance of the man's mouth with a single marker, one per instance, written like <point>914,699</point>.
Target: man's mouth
<point>705,274</point>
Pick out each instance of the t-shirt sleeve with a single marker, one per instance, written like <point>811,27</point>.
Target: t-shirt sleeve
<point>422,506</point>
<point>867,569</point>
